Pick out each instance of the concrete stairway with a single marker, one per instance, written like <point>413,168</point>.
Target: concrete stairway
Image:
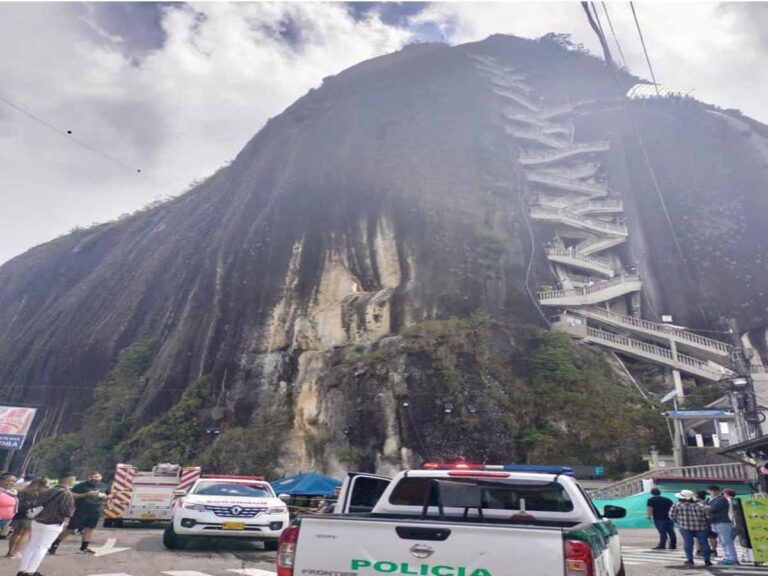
<point>656,354</point>
<point>574,259</point>
<point>684,340</point>
<point>592,189</point>
<point>599,291</point>
<point>531,158</point>
<point>567,217</point>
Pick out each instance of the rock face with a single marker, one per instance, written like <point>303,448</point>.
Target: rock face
<point>390,196</point>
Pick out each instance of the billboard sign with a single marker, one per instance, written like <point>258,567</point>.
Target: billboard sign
<point>15,423</point>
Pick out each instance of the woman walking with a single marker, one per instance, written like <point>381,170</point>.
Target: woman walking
<point>58,506</point>
<point>22,521</point>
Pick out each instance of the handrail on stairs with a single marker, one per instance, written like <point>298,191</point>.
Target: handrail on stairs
<point>733,471</point>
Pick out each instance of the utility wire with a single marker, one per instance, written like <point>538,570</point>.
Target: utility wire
<point>67,134</point>
<point>613,33</point>
<point>645,50</point>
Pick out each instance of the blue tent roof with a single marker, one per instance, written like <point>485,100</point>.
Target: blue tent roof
<point>306,484</point>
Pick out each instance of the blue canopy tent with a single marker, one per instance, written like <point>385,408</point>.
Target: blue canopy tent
<point>307,490</point>
<point>307,484</point>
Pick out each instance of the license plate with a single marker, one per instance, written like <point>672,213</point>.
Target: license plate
<point>149,515</point>
<point>233,526</point>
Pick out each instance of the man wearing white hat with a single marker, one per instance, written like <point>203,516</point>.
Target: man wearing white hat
<point>693,519</point>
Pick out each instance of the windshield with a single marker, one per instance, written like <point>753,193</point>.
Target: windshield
<point>232,489</point>
<point>539,496</point>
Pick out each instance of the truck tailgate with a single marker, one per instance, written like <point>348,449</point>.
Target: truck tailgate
<point>367,547</point>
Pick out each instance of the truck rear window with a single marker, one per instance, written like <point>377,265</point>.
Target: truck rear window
<point>539,496</point>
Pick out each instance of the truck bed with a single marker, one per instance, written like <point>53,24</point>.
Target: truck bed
<point>370,545</point>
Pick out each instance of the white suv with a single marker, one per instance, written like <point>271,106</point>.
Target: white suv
<point>226,507</point>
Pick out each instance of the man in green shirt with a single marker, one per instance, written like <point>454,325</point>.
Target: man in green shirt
<point>89,501</point>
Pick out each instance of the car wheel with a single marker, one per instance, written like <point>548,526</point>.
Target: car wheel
<point>271,545</point>
<point>171,540</point>
<point>622,572</point>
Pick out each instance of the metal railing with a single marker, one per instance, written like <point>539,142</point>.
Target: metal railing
<point>538,136</point>
<point>595,261</point>
<point>662,355</point>
<point>630,486</point>
<point>592,188</point>
<point>555,111</point>
<point>660,329</point>
<point>581,170</point>
<point>566,216</point>
<point>597,206</point>
<point>511,83</point>
<point>518,98</point>
<point>593,243</point>
<point>583,148</point>
<point>597,286</point>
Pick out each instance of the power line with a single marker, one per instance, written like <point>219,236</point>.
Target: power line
<point>67,134</point>
<point>645,50</point>
<point>613,33</point>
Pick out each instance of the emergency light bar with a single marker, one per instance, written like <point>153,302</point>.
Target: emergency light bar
<point>231,477</point>
<point>531,468</point>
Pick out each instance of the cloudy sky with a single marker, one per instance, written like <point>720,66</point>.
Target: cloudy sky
<point>175,90</point>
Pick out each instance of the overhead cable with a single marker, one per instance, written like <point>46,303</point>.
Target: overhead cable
<point>66,133</point>
<point>613,33</point>
<point>645,49</point>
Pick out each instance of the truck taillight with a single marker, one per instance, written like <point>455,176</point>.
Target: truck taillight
<point>286,551</point>
<point>578,559</point>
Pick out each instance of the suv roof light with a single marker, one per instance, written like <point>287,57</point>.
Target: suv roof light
<point>231,477</point>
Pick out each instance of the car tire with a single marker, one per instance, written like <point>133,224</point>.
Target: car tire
<point>622,571</point>
<point>271,545</point>
<point>171,540</point>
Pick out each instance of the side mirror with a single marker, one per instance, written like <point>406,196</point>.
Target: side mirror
<point>179,493</point>
<point>285,498</point>
<point>614,512</point>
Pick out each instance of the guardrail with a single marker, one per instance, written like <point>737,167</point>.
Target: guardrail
<point>594,261</point>
<point>734,472</point>
<point>566,215</point>
<point>586,147</point>
<point>538,136</point>
<point>660,329</point>
<point>664,355</point>
<point>592,188</point>
<point>596,206</point>
<point>598,286</point>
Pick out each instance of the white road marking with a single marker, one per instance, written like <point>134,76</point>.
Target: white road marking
<point>185,573</point>
<point>252,572</point>
<point>117,574</point>
<point>108,548</point>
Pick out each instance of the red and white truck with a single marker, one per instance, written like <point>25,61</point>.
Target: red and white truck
<point>458,520</point>
<point>146,496</point>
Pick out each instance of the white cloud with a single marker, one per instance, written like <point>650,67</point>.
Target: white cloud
<point>178,114</point>
<point>181,109</point>
<point>714,48</point>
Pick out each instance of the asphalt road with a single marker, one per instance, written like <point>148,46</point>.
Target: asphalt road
<point>140,552</point>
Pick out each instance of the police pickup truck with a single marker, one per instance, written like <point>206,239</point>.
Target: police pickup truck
<point>457,520</point>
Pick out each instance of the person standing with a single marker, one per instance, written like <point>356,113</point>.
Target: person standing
<point>692,518</point>
<point>58,507</point>
<point>89,501</point>
<point>719,513</point>
<point>8,500</point>
<point>22,522</point>
<point>703,497</point>
<point>657,509</point>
